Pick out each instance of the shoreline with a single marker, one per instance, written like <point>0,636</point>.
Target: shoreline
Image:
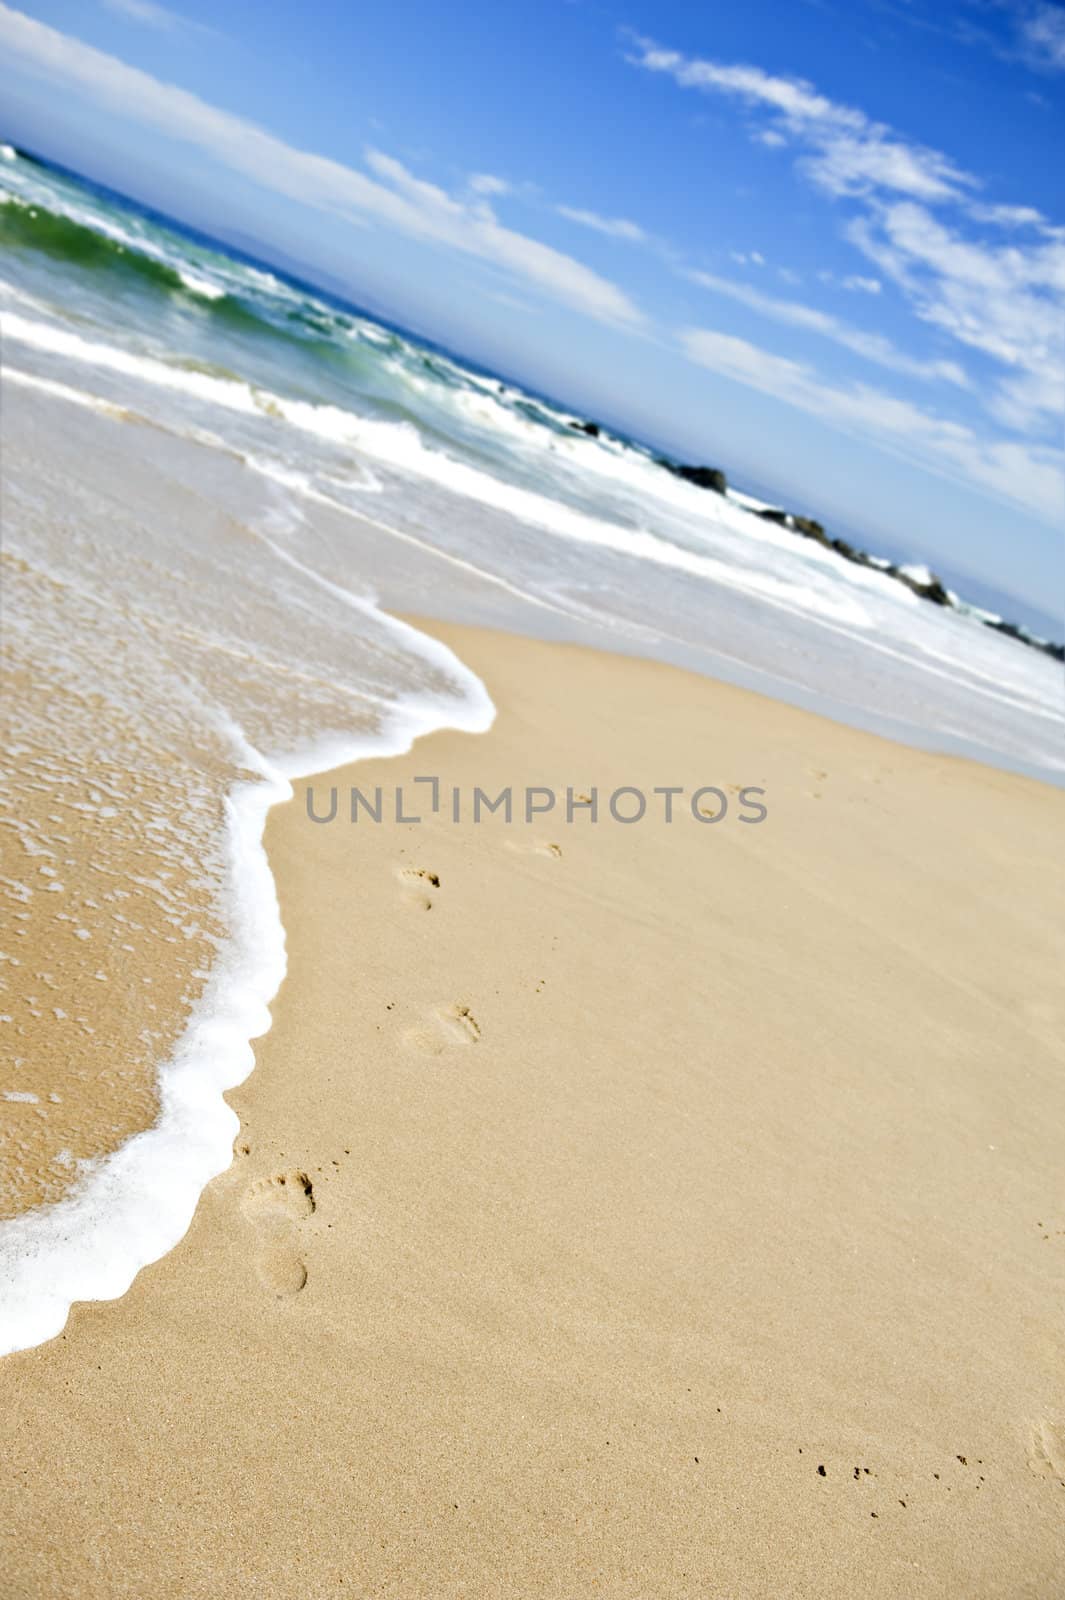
<point>57,1254</point>
<point>585,1165</point>
<point>49,1254</point>
<point>134,1204</point>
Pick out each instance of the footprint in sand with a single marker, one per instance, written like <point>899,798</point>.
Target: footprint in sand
<point>539,847</point>
<point>276,1206</point>
<point>417,884</point>
<point>1046,1450</point>
<point>448,1026</point>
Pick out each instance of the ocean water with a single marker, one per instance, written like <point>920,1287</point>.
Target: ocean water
<point>219,484</point>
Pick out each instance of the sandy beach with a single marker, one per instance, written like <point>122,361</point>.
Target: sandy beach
<point>634,1210</point>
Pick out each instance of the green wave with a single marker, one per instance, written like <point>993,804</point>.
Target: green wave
<point>32,227</point>
<point>25,226</point>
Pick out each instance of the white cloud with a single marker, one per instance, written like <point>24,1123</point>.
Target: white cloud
<point>394,197</point>
<point>146,11</point>
<point>794,99</point>
<point>485,183</point>
<point>846,165</point>
<point>1001,300</point>
<point>1009,216</point>
<point>432,201</point>
<point>1028,476</point>
<point>512,303</point>
<point>846,152</point>
<point>1021,401</point>
<point>1038,30</point>
<point>613,227</point>
<point>854,283</point>
<point>151,15</point>
<point>871,346</point>
<point>1042,28</point>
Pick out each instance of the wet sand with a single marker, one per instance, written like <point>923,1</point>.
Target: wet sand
<point>629,1210</point>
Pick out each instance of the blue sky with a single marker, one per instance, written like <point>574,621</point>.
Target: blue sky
<point>821,244</point>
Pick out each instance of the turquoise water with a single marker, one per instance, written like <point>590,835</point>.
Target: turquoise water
<point>596,538</point>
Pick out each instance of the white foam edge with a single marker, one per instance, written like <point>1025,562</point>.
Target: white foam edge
<point>400,446</point>
<point>837,607</point>
<point>130,1208</point>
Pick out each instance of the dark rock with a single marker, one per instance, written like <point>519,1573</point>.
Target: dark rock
<point>702,477</point>
<point>590,428</point>
<point>1009,628</point>
<point>932,590</point>
<point>1049,648</point>
<point>789,519</point>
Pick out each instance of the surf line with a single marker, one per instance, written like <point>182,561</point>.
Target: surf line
<point>133,1206</point>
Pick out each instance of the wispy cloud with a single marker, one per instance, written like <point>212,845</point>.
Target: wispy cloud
<point>998,295</point>
<point>845,152</point>
<point>146,11</point>
<point>852,282</point>
<point>870,346</point>
<point>393,197</point>
<point>1042,31</point>
<point>613,227</point>
<point>1000,300</point>
<point>512,303</point>
<point>1024,475</point>
<point>1034,35</point>
<point>1010,217</point>
<point>151,15</point>
<point>487,184</point>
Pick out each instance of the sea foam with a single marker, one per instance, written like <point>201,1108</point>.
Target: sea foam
<point>130,1208</point>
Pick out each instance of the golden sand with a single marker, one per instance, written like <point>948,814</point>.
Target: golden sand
<point>629,1211</point>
